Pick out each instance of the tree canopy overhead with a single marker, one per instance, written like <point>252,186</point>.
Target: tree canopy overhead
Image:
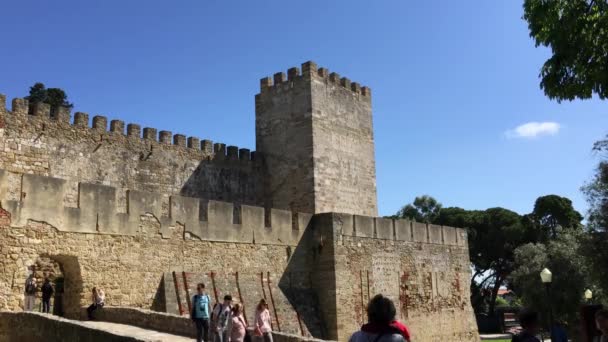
<point>55,97</point>
<point>576,31</point>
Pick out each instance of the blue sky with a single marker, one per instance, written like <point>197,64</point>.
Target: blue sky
<point>451,81</point>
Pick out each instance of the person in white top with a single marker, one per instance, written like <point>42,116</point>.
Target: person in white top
<point>98,298</point>
<point>262,324</point>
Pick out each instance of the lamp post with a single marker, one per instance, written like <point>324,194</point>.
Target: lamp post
<point>588,295</point>
<point>546,277</point>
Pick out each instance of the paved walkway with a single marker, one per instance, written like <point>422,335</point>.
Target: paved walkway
<point>139,333</point>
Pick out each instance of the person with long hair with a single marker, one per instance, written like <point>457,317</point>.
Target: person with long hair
<point>238,327</point>
<point>98,298</point>
<point>263,327</point>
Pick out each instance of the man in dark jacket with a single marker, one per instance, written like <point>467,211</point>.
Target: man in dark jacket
<point>47,293</point>
<point>530,326</point>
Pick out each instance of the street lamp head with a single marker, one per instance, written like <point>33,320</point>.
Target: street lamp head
<point>546,276</point>
<point>588,294</point>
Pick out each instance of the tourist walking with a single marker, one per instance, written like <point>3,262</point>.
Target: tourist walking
<point>601,321</point>
<point>30,293</point>
<point>47,293</point>
<point>262,324</point>
<point>201,304</point>
<point>98,298</point>
<point>238,327</point>
<point>381,325</point>
<point>530,325</point>
<point>221,316</point>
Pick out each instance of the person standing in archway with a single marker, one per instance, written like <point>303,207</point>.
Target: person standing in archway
<point>30,293</point>
<point>47,293</point>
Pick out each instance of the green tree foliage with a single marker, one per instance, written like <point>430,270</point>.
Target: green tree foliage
<point>553,214</point>
<point>54,97</point>
<point>576,31</point>
<point>563,256</point>
<point>597,196</point>
<point>424,209</point>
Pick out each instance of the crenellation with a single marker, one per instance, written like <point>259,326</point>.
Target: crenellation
<point>345,82</point>
<point>179,140</point>
<point>20,106</point>
<point>100,123</point>
<point>293,73</point>
<point>366,91</point>
<point>303,206</point>
<point>134,130</point>
<point>81,119</point>
<point>334,77</point>
<point>219,151</point>
<point>117,126</point>
<point>150,133</point>
<point>207,146</point>
<point>41,110</point>
<point>62,115</point>
<point>194,142</point>
<point>309,68</point>
<point>164,137</point>
<point>279,78</point>
<point>323,72</point>
<point>233,153</point>
<point>265,82</point>
<point>98,212</point>
<point>244,154</point>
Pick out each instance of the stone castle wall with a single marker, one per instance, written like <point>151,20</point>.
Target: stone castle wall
<point>321,269</point>
<point>423,268</point>
<point>132,210</point>
<point>315,131</point>
<point>34,142</point>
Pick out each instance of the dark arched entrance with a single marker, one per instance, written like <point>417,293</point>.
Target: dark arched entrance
<point>64,273</point>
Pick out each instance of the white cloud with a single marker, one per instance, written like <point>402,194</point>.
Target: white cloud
<point>533,129</point>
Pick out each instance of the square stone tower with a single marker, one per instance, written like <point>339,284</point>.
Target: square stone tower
<point>314,130</point>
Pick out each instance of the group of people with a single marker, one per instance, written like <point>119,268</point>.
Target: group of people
<point>226,322</point>
<point>31,289</point>
<point>530,324</point>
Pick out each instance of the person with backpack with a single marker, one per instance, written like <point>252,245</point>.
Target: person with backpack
<point>238,327</point>
<point>47,292</point>
<point>381,326</point>
<point>30,293</point>
<point>201,304</point>
<point>262,324</point>
<point>221,316</point>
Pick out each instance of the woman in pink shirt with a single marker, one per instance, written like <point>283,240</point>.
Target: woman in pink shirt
<point>262,321</point>
<point>239,327</point>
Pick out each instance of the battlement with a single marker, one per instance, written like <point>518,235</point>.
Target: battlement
<point>98,212</point>
<point>41,112</point>
<point>400,230</point>
<point>282,80</point>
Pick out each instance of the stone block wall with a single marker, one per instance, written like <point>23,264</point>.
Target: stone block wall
<point>81,149</point>
<point>315,132</point>
<point>424,269</point>
<point>30,327</point>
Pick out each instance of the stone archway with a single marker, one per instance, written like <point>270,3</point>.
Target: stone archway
<point>69,290</point>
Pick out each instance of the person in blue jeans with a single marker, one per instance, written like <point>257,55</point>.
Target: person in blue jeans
<point>201,304</point>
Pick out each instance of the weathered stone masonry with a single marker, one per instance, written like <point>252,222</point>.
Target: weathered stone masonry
<point>125,211</point>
